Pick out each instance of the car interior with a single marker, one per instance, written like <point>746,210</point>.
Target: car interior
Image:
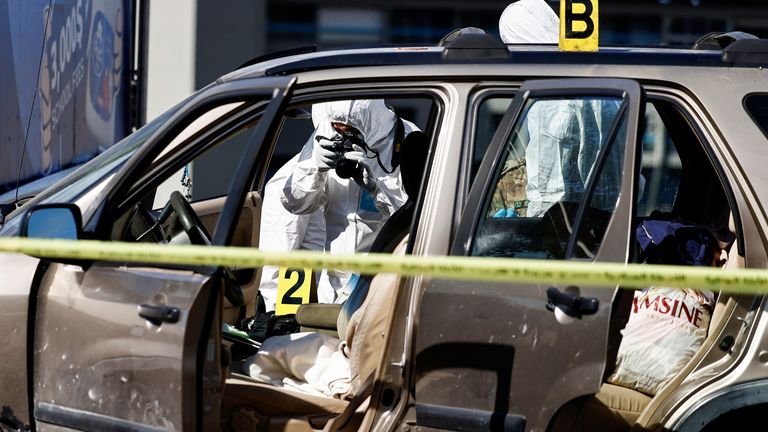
<point>681,183</point>
<point>250,402</point>
<point>186,205</point>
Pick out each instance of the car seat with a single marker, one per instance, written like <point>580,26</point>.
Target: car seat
<point>617,408</point>
<point>251,405</point>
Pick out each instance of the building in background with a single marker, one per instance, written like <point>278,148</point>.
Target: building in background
<point>250,28</point>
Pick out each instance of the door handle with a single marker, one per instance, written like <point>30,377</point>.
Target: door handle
<point>159,314</point>
<point>572,305</point>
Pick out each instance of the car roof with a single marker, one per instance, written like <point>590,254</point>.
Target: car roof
<point>516,54</point>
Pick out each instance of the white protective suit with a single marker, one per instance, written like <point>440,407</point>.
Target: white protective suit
<point>283,231</point>
<point>565,135</point>
<point>353,217</point>
<point>565,138</point>
<point>529,21</point>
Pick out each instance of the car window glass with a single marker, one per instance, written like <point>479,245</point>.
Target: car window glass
<point>661,167</point>
<point>201,178</point>
<point>757,107</point>
<point>549,160</point>
<point>194,179</point>
<point>196,126</point>
<point>679,179</point>
<point>208,175</point>
<point>487,118</point>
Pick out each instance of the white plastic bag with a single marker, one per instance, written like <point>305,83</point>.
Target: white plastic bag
<point>665,329</point>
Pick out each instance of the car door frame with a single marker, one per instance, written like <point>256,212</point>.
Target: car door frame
<point>452,417</point>
<point>275,92</point>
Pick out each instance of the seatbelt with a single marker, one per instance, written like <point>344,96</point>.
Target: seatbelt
<point>342,420</point>
<point>394,161</point>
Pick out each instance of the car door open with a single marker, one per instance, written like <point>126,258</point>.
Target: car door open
<point>555,184</point>
<point>137,346</point>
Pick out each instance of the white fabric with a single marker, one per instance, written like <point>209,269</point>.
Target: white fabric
<point>565,138</point>
<point>529,21</point>
<point>326,155</point>
<point>352,217</point>
<point>283,231</point>
<point>665,329</point>
<point>565,135</point>
<point>364,176</point>
<point>310,362</point>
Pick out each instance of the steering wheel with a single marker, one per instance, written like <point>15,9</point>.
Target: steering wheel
<point>187,218</point>
<point>198,235</point>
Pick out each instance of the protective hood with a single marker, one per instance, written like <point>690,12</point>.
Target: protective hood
<point>371,117</point>
<point>529,21</point>
<point>353,215</point>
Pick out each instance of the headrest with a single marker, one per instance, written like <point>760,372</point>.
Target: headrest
<point>413,160</point>
<point>680,243</point>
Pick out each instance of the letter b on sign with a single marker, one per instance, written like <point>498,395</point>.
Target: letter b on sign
<point>578,25</point>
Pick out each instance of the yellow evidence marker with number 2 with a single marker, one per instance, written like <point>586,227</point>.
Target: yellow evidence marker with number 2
<point>293,289</point>
<point>579,27</point>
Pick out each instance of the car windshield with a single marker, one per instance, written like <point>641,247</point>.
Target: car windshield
<point>92,173</point>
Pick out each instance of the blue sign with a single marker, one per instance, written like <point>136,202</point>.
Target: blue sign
<point>81,105</point>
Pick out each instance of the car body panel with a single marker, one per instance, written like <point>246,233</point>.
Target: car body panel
<point>16,291</point>
<point>94,353</point>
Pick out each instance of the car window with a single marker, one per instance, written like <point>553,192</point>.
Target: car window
<point>679,179</point>
<point>661,167</point>
<point>217,164</point>
<point>756,105</point>
<point>196,126</point>
<point>204,177</point>
<point>556,151</point>
<point>487,118</point>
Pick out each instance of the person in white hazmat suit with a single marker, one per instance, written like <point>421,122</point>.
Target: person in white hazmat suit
<point>283,231</point>
<point>565,135</point>
<point>529,22</point>
<point>356,207</point>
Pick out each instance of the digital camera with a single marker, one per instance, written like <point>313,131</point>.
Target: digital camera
<point>345,168</point>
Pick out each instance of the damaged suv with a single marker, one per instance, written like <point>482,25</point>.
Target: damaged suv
<point>111,345</point>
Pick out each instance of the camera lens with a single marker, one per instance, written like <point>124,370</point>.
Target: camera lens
<point>346,168</point>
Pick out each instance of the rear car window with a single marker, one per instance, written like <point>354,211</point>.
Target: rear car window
<point>756,105</point>
<point>548,164</point>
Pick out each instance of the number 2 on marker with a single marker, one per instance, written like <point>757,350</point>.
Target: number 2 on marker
<point>293,289</point>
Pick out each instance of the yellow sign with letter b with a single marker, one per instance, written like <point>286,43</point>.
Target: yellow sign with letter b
<point>579,25</point>
<point>293,289</point>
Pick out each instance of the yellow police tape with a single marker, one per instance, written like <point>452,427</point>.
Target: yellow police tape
<point>746,281</point>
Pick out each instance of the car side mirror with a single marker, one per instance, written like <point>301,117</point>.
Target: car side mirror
<point>52,221</point>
